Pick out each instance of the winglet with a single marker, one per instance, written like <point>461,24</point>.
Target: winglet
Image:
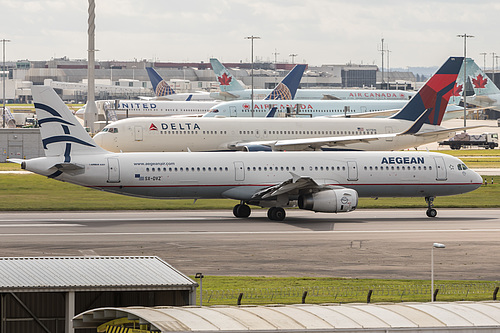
<point>417,125</point>
<point>272,112</point>
<point>286,89</point>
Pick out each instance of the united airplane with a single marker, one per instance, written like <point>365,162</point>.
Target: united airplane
<point>231,89</point>
<point>164,91</point>
<point>416,124</point>
<point>329,182</point>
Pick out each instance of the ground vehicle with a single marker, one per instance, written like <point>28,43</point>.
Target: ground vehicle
<point>486,140</point>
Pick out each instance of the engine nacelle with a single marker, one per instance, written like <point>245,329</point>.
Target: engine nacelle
<point>330,201</point>
<point>257,148</point>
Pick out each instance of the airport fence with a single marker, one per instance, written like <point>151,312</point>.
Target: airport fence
<point>349,294</point>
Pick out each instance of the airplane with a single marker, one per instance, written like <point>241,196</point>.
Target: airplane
<point>231,89</point>
<point>120,109</point>
<point>411,127</point>
<point>164,91</point>
<point>486,92</point>
<point>329,182</point>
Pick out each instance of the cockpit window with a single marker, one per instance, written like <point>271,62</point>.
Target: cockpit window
<point>214,110</point>
<point>462,167</point>
<point>112,130</point>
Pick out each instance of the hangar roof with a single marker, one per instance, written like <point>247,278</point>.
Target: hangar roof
<point>303,317</point>
<point>90,273</point>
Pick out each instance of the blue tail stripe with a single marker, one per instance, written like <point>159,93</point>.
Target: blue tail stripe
<point>64,138</point>
<point>67,151</point>
<point>65,129</point>
<point>54,120</point>
<point>48,109</point>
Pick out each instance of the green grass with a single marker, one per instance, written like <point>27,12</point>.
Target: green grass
<point>34,192</point>
<point>266,290</point>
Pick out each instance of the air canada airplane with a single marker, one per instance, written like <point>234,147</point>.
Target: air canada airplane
<point>416,124</point>
<point>231,89</point>
<point>486,92</point>
<point>328,182</point>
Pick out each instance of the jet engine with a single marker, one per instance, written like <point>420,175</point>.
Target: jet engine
<point>330,201</point>
<point>257,148</point>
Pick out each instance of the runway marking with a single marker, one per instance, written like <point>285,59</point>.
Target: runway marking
<point>165,233</point>
<point>131,219</point>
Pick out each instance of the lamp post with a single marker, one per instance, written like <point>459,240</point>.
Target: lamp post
<point>465,36</point>
<point>437,246</point>
<point>293,55</point>
<point>4,78</point>
<point>200,276</point>
<point>111,73</point>
<point>252,38</point>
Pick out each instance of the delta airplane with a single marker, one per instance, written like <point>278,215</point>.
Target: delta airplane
<point>164,91</point>
<point>328,182</point>
<point>416,124</point>
<point>231,89</point>
<point>114,110</point>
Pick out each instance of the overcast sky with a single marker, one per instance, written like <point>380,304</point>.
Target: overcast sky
<point>418,33</point>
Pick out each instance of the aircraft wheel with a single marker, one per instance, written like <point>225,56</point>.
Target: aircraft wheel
<point>241,210</point>
<point>431,212</point>
<point>276,214</point>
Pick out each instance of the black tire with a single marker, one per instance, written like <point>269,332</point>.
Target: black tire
<point>279,214</point>
<point>243,211</point>
<point>270,213</point>
<point>431,212</point>
<point>235,210</point>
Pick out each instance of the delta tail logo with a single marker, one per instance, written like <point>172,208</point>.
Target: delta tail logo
<point>153,127</point>
<point>163,89</point>
<point>281,92</point>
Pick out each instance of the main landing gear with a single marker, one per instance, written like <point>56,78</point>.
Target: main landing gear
<point>431,212</point>
<point>242,210</point>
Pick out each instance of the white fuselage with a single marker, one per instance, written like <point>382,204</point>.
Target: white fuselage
<point>156,108</point>
<point>239,175</point>
<point>318,94</point>
<point>308,108</point>
<point>218,134</point>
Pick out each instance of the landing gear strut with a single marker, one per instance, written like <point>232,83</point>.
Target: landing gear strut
<point>241,210</point>
<point>431,212</point>
<point>276,213</point>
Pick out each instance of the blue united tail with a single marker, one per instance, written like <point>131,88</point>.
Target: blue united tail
<point>286,89</point>
<point>160,86</point>
<point>434,96</point>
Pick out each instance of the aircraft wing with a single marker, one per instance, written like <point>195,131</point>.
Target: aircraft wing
<point>227,94</point>
<point>293,185</point>
<point>449,130</point>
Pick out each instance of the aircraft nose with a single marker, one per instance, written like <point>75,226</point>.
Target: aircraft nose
<point>476,178</point>
<point>98,138</point>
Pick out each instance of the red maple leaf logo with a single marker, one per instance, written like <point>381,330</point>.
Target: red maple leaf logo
<point>479,81</point>
<point>152,127</point>
<point>457,90</point>
<point>224,80</point>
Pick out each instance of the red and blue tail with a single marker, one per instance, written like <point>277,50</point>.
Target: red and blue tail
<point>160,86</point>
<point>434,95</point>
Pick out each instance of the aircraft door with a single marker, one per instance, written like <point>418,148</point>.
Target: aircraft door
<point>232,111</point>
<point>352,170</point>
<point>363,109</point>
<point>138,133</point>
<point>440,168</point>
<point>239,171</point>
<point>388,130</point>
<point>113,170</point>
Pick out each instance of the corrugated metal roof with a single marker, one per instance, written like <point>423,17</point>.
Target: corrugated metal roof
<point>306,317</point>
<point>85,273</point>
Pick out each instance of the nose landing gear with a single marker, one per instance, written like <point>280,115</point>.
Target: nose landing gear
<point>431,212</point>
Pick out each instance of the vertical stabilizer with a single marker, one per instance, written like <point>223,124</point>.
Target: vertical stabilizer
<point>160,86</point>
<point>481,83</point>
<point>286,89</point>
<point>434,95</point>
<point>227,82</point>
<point>62,134</point>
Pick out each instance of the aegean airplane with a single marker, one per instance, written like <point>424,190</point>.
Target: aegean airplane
<point>231,89</point>
<point>416,124</point>
<point>328,182</point>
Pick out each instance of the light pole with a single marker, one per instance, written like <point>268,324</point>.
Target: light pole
<point>133,72</point>
<point>200,276</point>
<point>484,60</point>
<point>252,38</point>
<point>293,55</point>
<point>465,36</point>
<point>4,78</point>
<point>111,73</point>
<point>437,246</point>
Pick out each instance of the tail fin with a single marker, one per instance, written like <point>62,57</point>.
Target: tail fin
<point>434,95</point>
<point>459,88</point>
<point>227,82</point>
<point>62,134</point>
<point>160,86</point>
<point>480,82</point>
<point>287,88</point>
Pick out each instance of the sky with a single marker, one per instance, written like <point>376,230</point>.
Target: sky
<point>417,33</point>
